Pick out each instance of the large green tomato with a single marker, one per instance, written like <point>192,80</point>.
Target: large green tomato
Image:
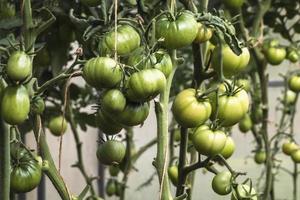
<point>243,192</point>
<point>233,4</point>
<point>26,171</point>
<point>232,64</point>
<point>128,39</point>
<point>91,3</point>
<point>107,124</point>
<point>190,111</point>
<point>294,83</point>
<point>296,156</point>
<point>113,101</point>
<point>57,125</point>
<point>204,33</point>
<point>221,183</point>
<point>260,157</point>
<point>289,147</point>
<point>133,114</point>
<point>19,66</point>
<point>173,174</point>
<point>245,124</point>
<point>237,102</point>
<point>15,105</point>
<point>145,85</point>
<point>229,148</point>
<point>111,152</point>
<point>102,72</point>
<point>275,55</point>
<point>177,33</point>
<point>208,142</point>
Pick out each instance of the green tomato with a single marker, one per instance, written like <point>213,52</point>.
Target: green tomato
<point>114,170</point>
<point>26,171</point>
<point>275,55</point>
<point>294,83</point>
<point>258,114</point>
<point>113,101</point>
<point>128,39</point>
<point>177,33</point>
<point>204,33</point>
<point>110,188</point>
<point>229,148</point>
<point>145,85</point>
<point>221,183</point>
<point>15,105</point>
<point>107,124</point>
<point>208,142</point>
<point>293,56</point>
<point>234,4</point>
<point>232,64</point>
<point>245,83</point>
<point>290,97</point>
<point>177,135</point>
<point>111,152</point>
<point>296,156</point>
<point>260,157</point>
<point>19,66</point>
<point>57,125</point>
<point>289,147</point>
<point>133,114</point>
<point>190,111</point>
<point>245,124</point>
<point>37,105</point>
<point>173,174</point>
<point>243,192</point>
<point>102,72</point>
<point>237,102</point>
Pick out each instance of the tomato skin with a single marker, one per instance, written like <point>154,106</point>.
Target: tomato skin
<point>275,55</point>
<point>188,111</point>
<point>233,4</point>
<point>177,135</point>
<point>145,85</point>
<point>245,83</point>
<point>107,124</point>
<point>238,102</point>
<point>204,33</point>
<point>208,142</point>
<point>293,56</point>
<point>178,33</point>
<point>102,72</point>
<point>294,83</point>
<point>91,3</point>
<point>111,152</point>
<point>19,66</point>
<point>221,183</point>
<point>296,156</point>
<point>290,97</point>
<point>245,124</point>
<point>128,39</point>
<point>289,147</point>
<point>229,148</point>
<point>232,64</point>
<point>113,101</point>
<point>114,170</point>
<point>26,172</point>
<point>15,105</point>
<point>163,62</point>
<point>260,157</point>
<point>173,174</point>
<point>110,188</point>
<point>133,114</point>
<point>57,125</point>
<point>38,106</point>
<point>243,192</point>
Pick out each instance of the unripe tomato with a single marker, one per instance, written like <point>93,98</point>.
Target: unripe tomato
<point>232,64</point>
<point>294,83</point>
<point>260,157</point>
<point>38,105</point>
<point>57,125</point>
<point>163,62</point>
<point>237,101</point>
<point>208,142</point>
<point>189,110</point>
<point>245,83</point>
<point>114,170</point>
<point>173,174</point>
<point>293,56</point>
<point>107,124</point>
<point>26,171</point>
<point>233,4</point>
<point>110,188</point>
<point>275,55</point>
<point>177,135</point>
<point>15,105</point>
<point>113,101</point>
<point>296,156</point>
<point>229,148</point>
<point>128,39</point>
<point>111,152</point>
<point>243,191</point>
<point>245,124</point>
<point>177,33</point>
<point>133,114</point>
<point>290,97</point>
<point>289,147</point>
<point>258,114</point>
<point>145,85</point>
<point>19,66</point>
<point>221,183</point>
<point>91,3</point>
<point>102,72</point>
<point>204,33</point>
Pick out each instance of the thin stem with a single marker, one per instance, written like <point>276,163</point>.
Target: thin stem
<point>295,182</point>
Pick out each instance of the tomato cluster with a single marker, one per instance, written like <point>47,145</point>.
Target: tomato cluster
<point>291,149</point>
